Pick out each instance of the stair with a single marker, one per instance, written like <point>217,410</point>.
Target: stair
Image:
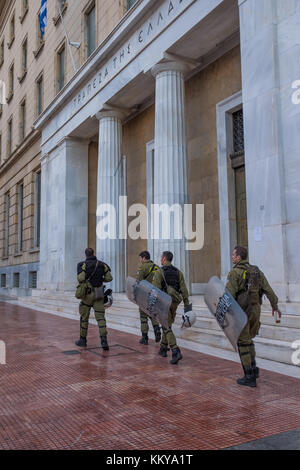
<point>273,343</point>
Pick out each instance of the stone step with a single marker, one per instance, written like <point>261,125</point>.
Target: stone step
<point>286,331</point>
<point>272,344</point>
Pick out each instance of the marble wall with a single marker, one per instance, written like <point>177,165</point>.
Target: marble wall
<point>270,45</point>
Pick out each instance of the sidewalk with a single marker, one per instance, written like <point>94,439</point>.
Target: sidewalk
<point>56,396</point>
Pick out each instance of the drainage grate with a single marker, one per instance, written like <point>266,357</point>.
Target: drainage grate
<point>71,353</point>
<point>115,350</point>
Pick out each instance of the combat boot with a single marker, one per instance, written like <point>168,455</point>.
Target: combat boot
<point>144,339</point>
<point>249,380</point>
<point>176,356</point>
<point>104,343</point>
<point>157,333</point>
<point>81,342</point>
<point>163,352</point>
<point>255,369</point>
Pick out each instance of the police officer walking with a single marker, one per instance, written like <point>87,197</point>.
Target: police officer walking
<point>247,284</point>
<point>169,279</point>
<point>146,272</point>
<point>93,272</point>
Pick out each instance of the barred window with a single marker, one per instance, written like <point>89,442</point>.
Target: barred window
<point>16,280</point>
<point>32,280</point>
<point>3,280</point>
<point>238,132</point>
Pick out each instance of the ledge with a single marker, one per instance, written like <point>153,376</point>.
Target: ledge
<point>16,255</point>
<point>9,44</point>
<point>56,19</point>
<point>34,250</point>
<point>20,79</point>
<point>9,97</point>
<point>38,51</point>
<point>21,18</point>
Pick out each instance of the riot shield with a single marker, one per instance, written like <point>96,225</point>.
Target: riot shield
<point>154,302</point>
<point>229,315</point>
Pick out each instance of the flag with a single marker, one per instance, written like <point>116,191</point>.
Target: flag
<point>43,17</point>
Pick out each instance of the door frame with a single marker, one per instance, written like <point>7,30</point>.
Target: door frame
<point>226,179</point>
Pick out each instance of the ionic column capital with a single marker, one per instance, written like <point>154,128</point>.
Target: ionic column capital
<point>108,111</point>
<point>174,62</point>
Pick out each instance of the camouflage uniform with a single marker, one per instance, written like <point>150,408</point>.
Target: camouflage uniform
<point>146,272</point>
<point>168,337</point>
<point>88,302</point>
<point>236,285</point>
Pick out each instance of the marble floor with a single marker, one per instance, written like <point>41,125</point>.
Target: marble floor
<point>57,396</point>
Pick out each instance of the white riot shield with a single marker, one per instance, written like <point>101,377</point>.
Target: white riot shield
<point>229,315</point>
<point>154,302</point>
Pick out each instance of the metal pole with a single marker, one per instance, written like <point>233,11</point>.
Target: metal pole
<point>67,37</point>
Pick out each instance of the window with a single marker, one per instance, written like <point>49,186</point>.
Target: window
<point>23,120</point>
<point>91,30</point>
<point>11,80</point>
<point>62,4</point>
<point>2,52</point>
<point>12,30</point>
<point>25,8</point>
<point>16,280</point>
<point>61,69</point>
<point>37,209</point>
<point>20,216</point>
<point>24,56</point>
<point>32,280</point>
<point>130,3</point>
<point>40,40</point>
<point>3,280</point>
<point>39,94</point>
<point>6,234</point>
<point>9,140</point>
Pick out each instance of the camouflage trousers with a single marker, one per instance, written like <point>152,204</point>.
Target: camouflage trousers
<point>144,322</point>
<point>245,342</point>
<point>168,337</point>
<point>85,310</point>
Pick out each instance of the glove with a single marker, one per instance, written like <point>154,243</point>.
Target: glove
<point>188,308</point>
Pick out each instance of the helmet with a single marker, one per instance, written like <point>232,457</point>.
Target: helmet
<point>188,319</point>
<point>108,298</point>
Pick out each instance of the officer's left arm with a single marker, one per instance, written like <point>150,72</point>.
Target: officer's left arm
<point>157,279</point>
<point>183,290</point>
<point>233,284</point>
<point>268,291</point>
<point>107,274</point>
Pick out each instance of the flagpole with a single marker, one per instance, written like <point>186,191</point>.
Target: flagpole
<point>67,37</point>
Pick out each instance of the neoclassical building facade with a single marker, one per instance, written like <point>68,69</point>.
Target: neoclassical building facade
<point>184,101</point>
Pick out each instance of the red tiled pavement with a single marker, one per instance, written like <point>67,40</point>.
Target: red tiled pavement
<point>129,397</point>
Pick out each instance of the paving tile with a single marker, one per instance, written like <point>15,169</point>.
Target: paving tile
<point>127,398</point>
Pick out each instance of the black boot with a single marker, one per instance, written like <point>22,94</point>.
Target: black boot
<point>81,342</point>
<point>176,356</point>
<point>249,380</point>
<point>163,352</point>
<point>144,339</point>
<point>104,343</point>
<point>255,369</point>
<point>157,333</point>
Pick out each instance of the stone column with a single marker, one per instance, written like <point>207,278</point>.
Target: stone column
<point>64,214</point>
<point>170,159</point>
<point>110,187</point>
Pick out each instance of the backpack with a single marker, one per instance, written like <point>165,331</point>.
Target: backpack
<point>172,287</point>
<point>250,294</point>
<point>84,288</point>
